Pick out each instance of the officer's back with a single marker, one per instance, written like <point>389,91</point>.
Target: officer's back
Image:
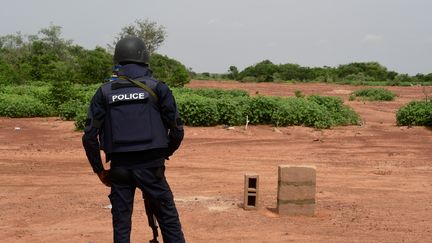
<point>135,121</point>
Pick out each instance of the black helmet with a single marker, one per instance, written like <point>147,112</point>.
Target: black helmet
<point>131,49</point>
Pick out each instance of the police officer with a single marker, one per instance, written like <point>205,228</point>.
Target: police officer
<point>135,121</point>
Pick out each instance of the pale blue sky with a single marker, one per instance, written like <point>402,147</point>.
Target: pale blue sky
<point>212,35</point>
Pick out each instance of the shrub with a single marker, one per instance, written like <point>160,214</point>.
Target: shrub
<point>298,111</point>
<point>38,91</point>
<point>198,107</point>
<point>338,113</point>
<point>7,73</point>
<point>197,110</point>
<point>60,92</point>
<point>359,77</point>
<point>232,111</point>
<point>69,110</point>
<point>15,105</point>
<point>219,93</point>
<point>231,104</point>
<point>298,94</point>
<point>261,109</point>
<point>211,107</point>
<point>80,119</point>
<point>315,111</point>
<point>84,93</point>
<point>248,79</point>
<point>375,94</point>
<point>415,113</point>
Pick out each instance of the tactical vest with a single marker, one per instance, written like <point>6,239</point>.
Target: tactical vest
<point>133,121</point>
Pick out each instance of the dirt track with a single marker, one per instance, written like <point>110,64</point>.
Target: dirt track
<point>374,182</point>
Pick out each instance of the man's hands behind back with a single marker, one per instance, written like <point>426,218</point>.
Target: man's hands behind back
<point>104,177</point>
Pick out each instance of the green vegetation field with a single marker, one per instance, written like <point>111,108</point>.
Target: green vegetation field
<point>199,107</point>
<point>45,75</point>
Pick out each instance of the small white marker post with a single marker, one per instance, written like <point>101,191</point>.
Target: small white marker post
<point>247,122</point>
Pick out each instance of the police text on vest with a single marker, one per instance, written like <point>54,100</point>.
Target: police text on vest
<point>126,97</point>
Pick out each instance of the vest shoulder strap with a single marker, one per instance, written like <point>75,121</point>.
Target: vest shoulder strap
<point>143,85</point>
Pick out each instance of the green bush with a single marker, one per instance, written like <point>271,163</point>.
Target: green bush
<point>61,92</point>
<point>261,109</point>
<point>77,109</point>
<point>85,93</point>
<point>375,94</point>
<point>298,111</point>
<point>219,93</point>
<point>315,111</point>
<point>298,94</point>
<point>211,107</point>
<point>7,73</point>
<point>231,105</point>
<point>210,93</point>
<point>248,79</point>
<point>69,110</point>
<point>415,113</point>
<point>15,105</point>
<point>80,119</point>
<point>337,112</point>
<point>233,111</point>
<point>206,107</point>
<point>197,110</point>
<point>39,91</point>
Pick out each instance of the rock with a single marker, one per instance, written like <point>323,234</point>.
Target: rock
<point>276,130</point>
<point>109,206</point>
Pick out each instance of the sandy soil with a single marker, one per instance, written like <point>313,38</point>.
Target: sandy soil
<point>374,182</point>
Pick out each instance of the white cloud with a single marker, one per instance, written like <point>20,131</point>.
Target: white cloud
<point>372,38</point>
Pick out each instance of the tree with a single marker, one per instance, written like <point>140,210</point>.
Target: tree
<point>233,72</point>
<point>14,54</point>
<point>94,66</point>
<point>52,37</point>
<point>262,71</point>
<point>7,73</point>
<point>50,57</point>
<point>290,71</point>
<point>171,71</point>
<point>370,69</point>
<point>149,31</point>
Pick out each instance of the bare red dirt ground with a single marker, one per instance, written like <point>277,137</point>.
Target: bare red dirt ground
<point>374,181</point>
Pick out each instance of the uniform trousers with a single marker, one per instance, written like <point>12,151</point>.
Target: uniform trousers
<point>155,189</point>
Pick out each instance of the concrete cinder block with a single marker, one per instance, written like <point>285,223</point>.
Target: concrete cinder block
<point>251,191</point>
<point>297,173</point>
<point>296,209</point>
<point>296,190</point>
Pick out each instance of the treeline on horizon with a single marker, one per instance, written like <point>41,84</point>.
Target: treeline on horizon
<point>368,73</point>
<point>48,57</point>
